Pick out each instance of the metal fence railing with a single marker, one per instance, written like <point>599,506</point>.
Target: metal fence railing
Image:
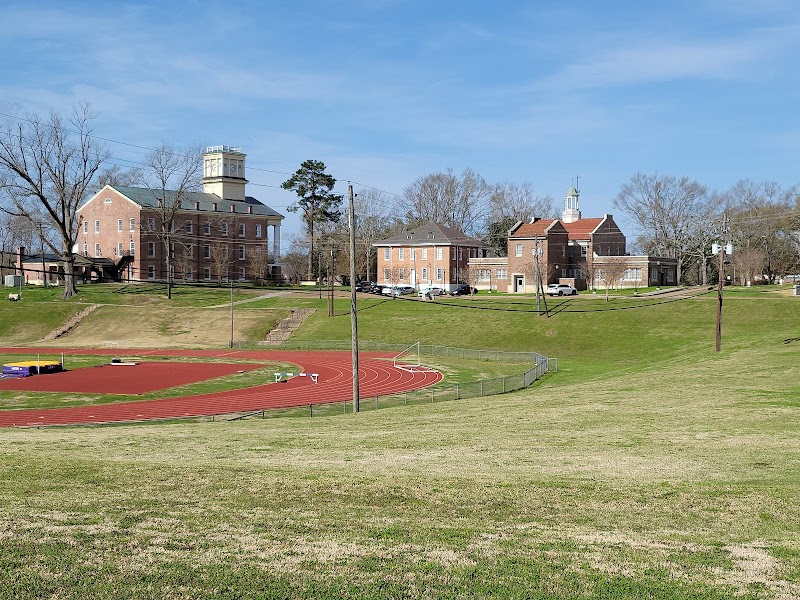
<point>438,393</point>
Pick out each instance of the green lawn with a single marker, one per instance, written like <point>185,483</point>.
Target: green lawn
<point>648,467</point>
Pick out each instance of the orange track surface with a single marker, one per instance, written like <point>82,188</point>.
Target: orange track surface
<point>376,377</point>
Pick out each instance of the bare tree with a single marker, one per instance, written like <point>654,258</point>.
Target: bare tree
<point>611,272</point>
<point>172,175</point>
<point>519,203</point>
<point>46,169</point>
<point>372,224</point>
<point>749,263</point>
<point>116,175</point>
<point>258,262</point>
<point>664,208</point>
<point>220,260</point>
<point>445,198</point>
<point>294,263</point>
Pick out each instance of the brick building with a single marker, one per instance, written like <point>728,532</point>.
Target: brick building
<point>218,234</point>
<point>581,252</point>
<point>431,255</point>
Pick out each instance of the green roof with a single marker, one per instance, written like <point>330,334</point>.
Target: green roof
<point>147,197</point>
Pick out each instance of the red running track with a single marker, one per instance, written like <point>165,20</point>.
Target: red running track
<point>376,377</point>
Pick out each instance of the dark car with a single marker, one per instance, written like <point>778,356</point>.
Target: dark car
<point>364,286</point>
<point>377,288</point>
<point>463,290</point>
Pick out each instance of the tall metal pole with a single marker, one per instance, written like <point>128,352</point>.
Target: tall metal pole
<point>353,314</point>
<point>722,248</point>
<point>231,313</point>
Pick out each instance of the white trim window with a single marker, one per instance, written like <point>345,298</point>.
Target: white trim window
<point>424,274</point>
<point>258,230</point>
<point>189,227</point>
<point>119,224</point>
<point>86,227</point>
<point>97,225</point>
<point>223,228</point>
<point>401,253</point>
<point>386,274</point>
<point>151,272</point>
<point>151,249</point>
<point>632,274</point>
<point>132,248</point>
<point>97,250</point>
<point>132,224</point>
<point>241,229</point>
<point>206,250</point>
<point>241,253</point>
<point>424,254</point>
<point>387,253</point>
<point>189,274</point>
<point>518,250</point>
<point>151,224</point>
<point>412,253</point>
<point>206,273</point>
<point>439,273</point>
<point>119,248</point>
<point>207,228</point>
<point>86,249</point>
<point>502,274</point>
<point>242,274</point>
<point>190,250</point>
<point>439,253</point>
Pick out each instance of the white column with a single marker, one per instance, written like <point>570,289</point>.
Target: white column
<point>276,242</point>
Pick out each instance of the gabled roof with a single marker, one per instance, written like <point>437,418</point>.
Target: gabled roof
<point>148,198</point>
<point>431,234</point>
<point>582,228</point>
<point>539,228</point>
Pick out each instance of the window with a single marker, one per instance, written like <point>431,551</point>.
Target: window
<point>424,254</point>
<point>386,274</point>
<point>584,250</point>
<point>241,253</point>
<point>438,253</point>
<point>119,224</point>
<point>206,228</point>
<point>258,230</point>
<point>412,253</point>
<point>563,250</point>
<point>119,248</point>
<point>207,251</point>
<point>223,229</point>
<point>401,253</point>
<point>86,227</point>
<point>189,227</point>
<point>453,274</point>
<point>563,272</point>
<point>454,252</point>
<point>132,246</point>
<point>241,229</point>
<point>151,272</point>
<point>242,273</point>
<point>189,273</point>
<point>97,226</point>
<point>151,249</point>
<point>97,249</point>
<point>632,274</point>
<point>189,250</point>
<point>439,274</point>
<point>207,273</point>
<point>484,274</point>
<point>132,225</point>
<point>386,253</point>
<point>151,224</point>
<point>86,249</point>
<point>537,250</point>
<point>502,274</point>
<point>424,274</point>
<point>401,274</point>
<point>518,250</point>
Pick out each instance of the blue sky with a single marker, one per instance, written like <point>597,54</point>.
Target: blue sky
<point>386,91</point>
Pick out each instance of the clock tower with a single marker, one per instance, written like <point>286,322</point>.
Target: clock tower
<point>223,172</point>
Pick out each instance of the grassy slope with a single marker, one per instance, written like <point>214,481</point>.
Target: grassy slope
<point>649,466</point>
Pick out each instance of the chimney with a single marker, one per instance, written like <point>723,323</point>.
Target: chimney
<point>233,208</point>
<point>197,206</point>
<point>214,206</point>
<point>249,209</point>
<point>534,219</point>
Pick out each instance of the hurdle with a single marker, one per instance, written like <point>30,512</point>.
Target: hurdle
<point>283,377</point>
<point>409,360</point>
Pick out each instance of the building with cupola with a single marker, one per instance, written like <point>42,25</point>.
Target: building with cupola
<point>219,234</point>
<point>583,252</point>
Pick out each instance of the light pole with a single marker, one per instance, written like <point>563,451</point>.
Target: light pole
<point>727,250</point>
<point>231,313</point>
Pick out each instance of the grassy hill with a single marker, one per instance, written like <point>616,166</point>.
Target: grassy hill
<point>649,466</point>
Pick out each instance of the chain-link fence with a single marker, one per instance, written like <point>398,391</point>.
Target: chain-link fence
<point>437,393</point>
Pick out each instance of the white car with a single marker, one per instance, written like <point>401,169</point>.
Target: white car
<point>561,289</point>
<point>398,290</point>
<point>431,291</point>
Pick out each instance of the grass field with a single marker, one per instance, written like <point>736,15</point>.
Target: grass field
<point>648,467</point>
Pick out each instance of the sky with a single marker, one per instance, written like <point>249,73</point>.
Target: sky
<point>387,91</point>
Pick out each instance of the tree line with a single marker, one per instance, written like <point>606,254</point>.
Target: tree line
<point>50,166</point>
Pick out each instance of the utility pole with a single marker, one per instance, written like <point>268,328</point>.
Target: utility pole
<point>536,266</point>
<point>353,314</point>
<point>331,269</point>
<point>725,247</point>
<point>231,313</point>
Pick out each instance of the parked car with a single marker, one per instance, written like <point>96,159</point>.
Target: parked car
<point>364,286</point>
<point>431,291</point>
<point>398,290</point>
<point>561,289</point>
<point>463,290</point>
<point>377,288</point>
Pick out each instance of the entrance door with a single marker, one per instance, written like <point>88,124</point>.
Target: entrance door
<point>413,277</point>
<point>519,283</point>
